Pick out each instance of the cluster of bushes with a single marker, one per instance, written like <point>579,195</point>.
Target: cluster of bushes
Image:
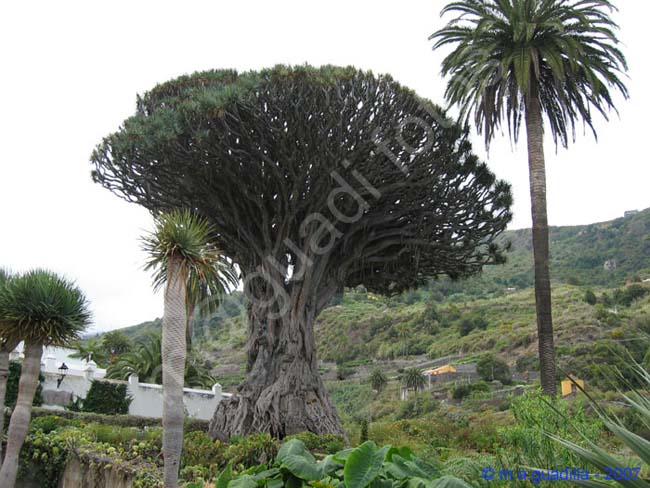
<point>440,437</point>
<point>463,391</point>
<point>471,322</point>
<point>490,368</point>
<point>116,420</point>
<point>52,439</point>
<point>105,398</point>
<point>417,407</point>
<point>11,392</point>
<point>623,297</point>
<point>535,416</point>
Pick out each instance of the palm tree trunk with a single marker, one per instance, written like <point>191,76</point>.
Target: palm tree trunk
<point>4,375</point>
<point>21,415</point>
<point>5,350</point>
<point>536,165</point>
<point>173,360</point>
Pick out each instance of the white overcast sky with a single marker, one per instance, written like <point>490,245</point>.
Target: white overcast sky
<point>70,72</point>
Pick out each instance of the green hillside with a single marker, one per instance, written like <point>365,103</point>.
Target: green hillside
<point>579,253</point>
<point>491,313</point>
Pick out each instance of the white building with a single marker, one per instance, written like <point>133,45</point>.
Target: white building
<point>62,386</point>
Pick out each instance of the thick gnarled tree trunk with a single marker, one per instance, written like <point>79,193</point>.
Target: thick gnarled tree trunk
<point>537,170</point>
<point>283,393</point>
<point>22,413</point>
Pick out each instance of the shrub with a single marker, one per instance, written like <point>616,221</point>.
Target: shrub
<point>463,391</point>
<point>363,432</point>
<point>328,443</point>
<point>535,416</point>
<point>48,423</point>
<point>202,457</point>
<point>245,452</point>
<point>344,372</point>
<point>430,313</point>
<point>107,398</point>
<point>468,323</point>
<point>417,407</point>
<point>490,368</point>
<point>629,294</point>
<point>11,393</point>
<point>590,297</point>
<point>525,363</point>
<point>120,420</point>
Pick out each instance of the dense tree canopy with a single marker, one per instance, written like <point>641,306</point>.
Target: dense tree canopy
<point>259,153</point>
<point>314,179</point>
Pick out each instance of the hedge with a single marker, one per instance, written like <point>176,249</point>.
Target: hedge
<point>119,420</point>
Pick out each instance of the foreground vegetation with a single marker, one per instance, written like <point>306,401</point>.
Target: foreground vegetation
<point>443,445</point>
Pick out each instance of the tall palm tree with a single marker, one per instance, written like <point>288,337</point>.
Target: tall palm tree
<point>521,60</point>
<point>41,309</point>
<point>6,346</point>
<point>180,253</point>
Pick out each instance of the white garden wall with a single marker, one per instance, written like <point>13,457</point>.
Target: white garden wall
<point>146,398</point>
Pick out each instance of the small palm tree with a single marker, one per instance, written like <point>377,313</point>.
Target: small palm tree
<point>378,380</point>
<point>6,346</point>
<point>41,309</point>
<point>413,379</point>
<point>145,361</point>
<point>89,350</point>
<point>517,61</point>
<point>184,261</point>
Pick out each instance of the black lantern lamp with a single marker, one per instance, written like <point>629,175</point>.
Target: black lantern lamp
<point>63,371</point>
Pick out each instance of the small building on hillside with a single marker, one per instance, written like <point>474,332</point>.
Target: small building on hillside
<point>571,386</point>
<point>451,372</point>
<point>630,213</point>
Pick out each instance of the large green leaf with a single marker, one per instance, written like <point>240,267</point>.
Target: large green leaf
<point>246,481</point>
<point>267,474</point>
<point>295,457</point>
<point>328,465</point>
<point>224,478</point>
<point>401,468</point>
<point>449,482</point>
<point>403,452</point>
<point>363,465</point>
<point>342,456</point>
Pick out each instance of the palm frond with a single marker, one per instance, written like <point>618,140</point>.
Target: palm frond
<point>181,234</point>
<point>505,51</point>
<point>44,308</point>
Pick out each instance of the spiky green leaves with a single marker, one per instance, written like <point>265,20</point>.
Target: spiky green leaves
<point>563,51</point>
<point>182,235</point>
<point>413,379</point>
<point>42,307</point>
